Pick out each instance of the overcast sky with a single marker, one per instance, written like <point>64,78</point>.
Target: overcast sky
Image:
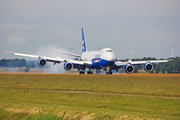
<point>26,26</point>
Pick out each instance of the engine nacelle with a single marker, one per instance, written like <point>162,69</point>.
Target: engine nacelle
<point>68,66</point>
<point>41,62</point>
<point>129,68</point>
<point>148,67</point>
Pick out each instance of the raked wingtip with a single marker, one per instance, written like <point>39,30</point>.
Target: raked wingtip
<point>9,52</point>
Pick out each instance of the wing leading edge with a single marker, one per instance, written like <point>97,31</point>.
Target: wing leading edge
<point>119,63</point>
<point>51,59</point>
<point>148,65</point>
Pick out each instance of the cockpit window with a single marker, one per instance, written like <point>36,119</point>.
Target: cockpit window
<point>108,50</point>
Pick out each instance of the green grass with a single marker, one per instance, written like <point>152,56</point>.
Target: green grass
<point>145,84</point>
<point>42,116</point>
<point>21,96</point>
<point>12,115</point>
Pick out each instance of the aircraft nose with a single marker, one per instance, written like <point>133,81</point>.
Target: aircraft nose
<point>111,57</point>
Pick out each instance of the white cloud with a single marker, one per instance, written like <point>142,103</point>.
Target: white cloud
<point>15,25</point>
<point>15,40</point>
<point>65,32</point>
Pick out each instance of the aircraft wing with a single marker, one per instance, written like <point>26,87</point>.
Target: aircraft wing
<point>119,63</point>
<point>51,59</point>
<point>75,55</point>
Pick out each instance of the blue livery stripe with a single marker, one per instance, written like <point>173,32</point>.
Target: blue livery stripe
<point>101,63</point>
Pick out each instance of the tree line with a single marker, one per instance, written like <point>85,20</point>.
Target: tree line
<point>172,66</point>
<point>13,63</point>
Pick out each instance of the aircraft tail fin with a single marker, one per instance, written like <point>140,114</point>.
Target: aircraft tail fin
<point>84,47</point>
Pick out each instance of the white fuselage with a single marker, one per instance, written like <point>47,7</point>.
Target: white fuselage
<point>105,54</point>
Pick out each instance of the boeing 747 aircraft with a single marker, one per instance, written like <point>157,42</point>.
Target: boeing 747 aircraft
<point>93,60</point>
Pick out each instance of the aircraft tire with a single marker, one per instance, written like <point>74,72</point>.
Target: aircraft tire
<point>81,72</point>
<point>109,73</point>
<point>89,72</point>
<point>97,71</point>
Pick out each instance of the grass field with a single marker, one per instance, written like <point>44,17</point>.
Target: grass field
<point>124,96</point>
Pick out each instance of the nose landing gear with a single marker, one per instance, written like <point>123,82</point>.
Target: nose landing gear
<point>108,71</point>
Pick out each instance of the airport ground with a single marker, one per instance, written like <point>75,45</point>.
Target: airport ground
<point>120,96</point>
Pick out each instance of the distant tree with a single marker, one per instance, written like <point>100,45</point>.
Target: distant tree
<point>176,65</point>
<point>148,58</point>
<point>163,69</point>
<point>27,69</point>
<point>31,64</point>
<point>2,62</point>
<point>170,69</point>
<point>135,69</point>
<point>171,66</point>
<point>157,68</point>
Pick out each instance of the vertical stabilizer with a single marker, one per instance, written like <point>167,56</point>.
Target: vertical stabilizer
<point>84,47</point>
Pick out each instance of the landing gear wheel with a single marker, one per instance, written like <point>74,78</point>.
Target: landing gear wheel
<point>89,72</point>
<point>81,72</point>
<point>97,71</point>
<point>109,72</point>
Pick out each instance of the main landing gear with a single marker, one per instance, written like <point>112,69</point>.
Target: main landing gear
<point>83,72</point>
<point>109,72</point>
<point>89,72</point>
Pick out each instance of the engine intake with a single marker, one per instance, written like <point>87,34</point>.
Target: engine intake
<point>41,62</point>
<point>129,68</point>
<point>68,66</point>
<point>148,67</point>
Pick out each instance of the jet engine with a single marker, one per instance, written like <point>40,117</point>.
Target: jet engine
<point>148,67</point>
<point>68,66</point>
<point>129,68</point>
<point>41,62</point>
